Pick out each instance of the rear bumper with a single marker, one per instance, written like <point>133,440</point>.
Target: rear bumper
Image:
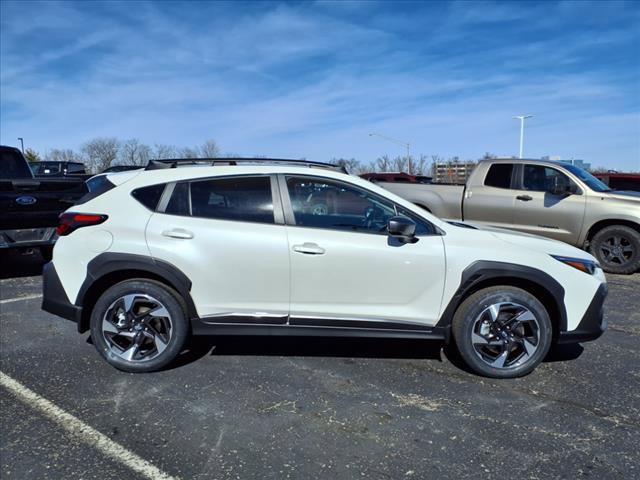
<point>27,237</point>
<point>54,298</point>
<point>593,323</point>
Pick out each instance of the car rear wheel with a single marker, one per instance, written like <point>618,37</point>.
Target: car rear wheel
<point>502,332</point>
<point>139,325</point>
<point>617,248</point>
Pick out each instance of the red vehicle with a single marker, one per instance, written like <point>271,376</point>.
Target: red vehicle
<point>620,181</point>
<point>399,177</point>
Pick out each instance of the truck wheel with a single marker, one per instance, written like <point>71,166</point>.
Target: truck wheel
<point>139,325</point>
<point>502,332</point>
<point>617,248</point>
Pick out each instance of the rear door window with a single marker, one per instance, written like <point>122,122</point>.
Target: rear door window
<point>245,199</point>
<point>499,175</point>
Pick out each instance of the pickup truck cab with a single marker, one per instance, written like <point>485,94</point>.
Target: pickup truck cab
<point>551,199</point>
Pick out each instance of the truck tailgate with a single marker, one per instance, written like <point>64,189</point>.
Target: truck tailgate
<point>33,203</point>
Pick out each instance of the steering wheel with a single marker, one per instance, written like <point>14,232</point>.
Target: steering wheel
<point>374,216</point>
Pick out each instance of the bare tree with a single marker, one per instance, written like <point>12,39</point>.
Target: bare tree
<point>132,152</point>
<point>350,164</point>
<point>383,164</point>
<point>421,166</point>
<point>188,152</point>
<point>209,149</point>
<point>62,155</point>
<point>161,151</point>
<point>400,164</point>
<point>100,153</point>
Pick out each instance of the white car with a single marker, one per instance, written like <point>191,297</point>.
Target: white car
<point>284,247</point>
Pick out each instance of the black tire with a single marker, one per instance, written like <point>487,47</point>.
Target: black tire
<point>617,248</point>
<point>46,253</point>
<point>173,333</point>
<point>474,312</point>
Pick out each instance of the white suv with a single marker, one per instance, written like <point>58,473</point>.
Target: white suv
<point>283,247</point>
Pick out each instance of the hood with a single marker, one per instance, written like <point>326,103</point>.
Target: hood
<point>532,242</point>
<point>630,197</point>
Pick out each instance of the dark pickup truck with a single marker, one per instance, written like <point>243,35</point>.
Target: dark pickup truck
<point>29,207</point>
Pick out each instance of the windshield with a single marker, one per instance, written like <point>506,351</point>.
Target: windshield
<point>592,182</point>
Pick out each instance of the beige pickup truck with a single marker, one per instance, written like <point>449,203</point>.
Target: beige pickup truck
<point>551,199</point>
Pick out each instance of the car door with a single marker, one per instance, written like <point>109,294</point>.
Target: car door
<point>228,238</point>
<point>538,211</point>
<point>491,202</point>
<point>346,269</point>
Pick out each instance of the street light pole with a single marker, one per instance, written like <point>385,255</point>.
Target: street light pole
<point>407,145</point>
<point>21,144</point>
<point>522,119</point>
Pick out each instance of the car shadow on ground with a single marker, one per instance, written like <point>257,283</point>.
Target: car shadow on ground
<point>306,347</point>
<point>200,347</point>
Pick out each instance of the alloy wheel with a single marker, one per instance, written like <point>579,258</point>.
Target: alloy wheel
<point>137,327</point>
<point>505,335</point>
<point>616,250</point>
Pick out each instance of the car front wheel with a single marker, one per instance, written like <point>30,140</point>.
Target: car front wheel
<point>502,332</point>
<point>139,325</point>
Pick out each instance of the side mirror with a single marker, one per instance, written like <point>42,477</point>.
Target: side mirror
<point>402,228</point>
<point>561,186</point>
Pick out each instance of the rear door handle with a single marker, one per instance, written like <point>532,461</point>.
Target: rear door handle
<point>524,198</point>
<point>178,233</point>
<point>309,249</point>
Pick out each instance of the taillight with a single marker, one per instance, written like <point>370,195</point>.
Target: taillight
<point>69,222</point>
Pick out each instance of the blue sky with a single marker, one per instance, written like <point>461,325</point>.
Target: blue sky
<point>312,79</point>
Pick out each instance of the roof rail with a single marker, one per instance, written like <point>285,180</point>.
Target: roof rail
<point>176,162</point>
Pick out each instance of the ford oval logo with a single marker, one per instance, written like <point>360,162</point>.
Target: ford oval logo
<point>26,200</point>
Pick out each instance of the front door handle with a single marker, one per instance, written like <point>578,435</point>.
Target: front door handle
<point>178,233</point>
<point>524,198</point>
<point>309,249</point>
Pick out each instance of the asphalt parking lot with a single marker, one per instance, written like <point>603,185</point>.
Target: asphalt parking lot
<point>309,408</point>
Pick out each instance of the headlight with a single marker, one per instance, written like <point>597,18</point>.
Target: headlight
<point>586,266</point>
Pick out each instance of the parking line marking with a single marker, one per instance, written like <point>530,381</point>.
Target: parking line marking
<point>82,431</point>
<point>17,299</point>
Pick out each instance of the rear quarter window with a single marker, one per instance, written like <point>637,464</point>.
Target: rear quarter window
<point>149,196</point>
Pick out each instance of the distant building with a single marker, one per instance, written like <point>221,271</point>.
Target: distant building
<point>576,162</point>
<point>453,171</point>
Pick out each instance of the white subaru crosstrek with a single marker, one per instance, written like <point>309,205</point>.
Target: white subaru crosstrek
<point>285,247</point>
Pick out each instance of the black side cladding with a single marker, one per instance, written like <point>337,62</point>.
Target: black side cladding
<point>54,298</point>
<point>114,263</point>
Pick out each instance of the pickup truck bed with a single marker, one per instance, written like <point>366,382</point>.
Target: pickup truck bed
<point>29,207</point>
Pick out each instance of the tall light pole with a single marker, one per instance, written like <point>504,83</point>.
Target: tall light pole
<point>21,144</point>
<point>407,145</point>
<point>522,118</point>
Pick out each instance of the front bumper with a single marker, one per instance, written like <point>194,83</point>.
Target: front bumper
<point>593,323</point>
<point>54,298</point>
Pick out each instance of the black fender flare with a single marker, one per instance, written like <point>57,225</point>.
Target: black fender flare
<point>485,271</point>
<point>110,262</point>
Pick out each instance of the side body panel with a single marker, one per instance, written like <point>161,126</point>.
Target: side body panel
<point>366,276</point>
<point>235,267</point>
